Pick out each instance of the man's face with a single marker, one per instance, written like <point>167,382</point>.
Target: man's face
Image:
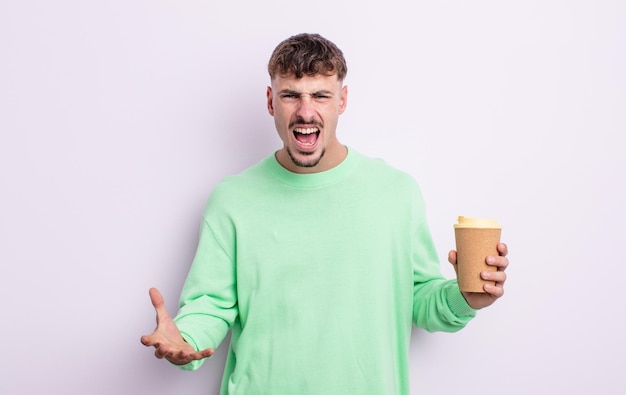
<point>306,112</point>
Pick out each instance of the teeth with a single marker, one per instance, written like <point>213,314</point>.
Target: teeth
<point>306,131</point>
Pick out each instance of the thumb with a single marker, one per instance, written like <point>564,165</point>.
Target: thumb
<point>452,259</point>
<point>159,304</point>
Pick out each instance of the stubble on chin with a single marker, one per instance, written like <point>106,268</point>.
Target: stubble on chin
<point>312,162</point>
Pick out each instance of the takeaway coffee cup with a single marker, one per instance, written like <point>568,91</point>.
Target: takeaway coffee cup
<point>476,239</point>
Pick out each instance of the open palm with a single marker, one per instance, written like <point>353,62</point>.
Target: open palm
<point>166,338</point>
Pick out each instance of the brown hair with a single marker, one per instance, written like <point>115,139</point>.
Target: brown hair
<point>307,54</point>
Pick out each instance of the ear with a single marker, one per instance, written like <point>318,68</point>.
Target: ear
<point>343,103</point>
<point>270,103</point>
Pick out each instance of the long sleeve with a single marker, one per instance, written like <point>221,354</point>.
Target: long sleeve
<point>438,304</point>
<point>208,302</point>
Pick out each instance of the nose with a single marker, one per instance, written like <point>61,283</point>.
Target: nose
<point>306,109</point>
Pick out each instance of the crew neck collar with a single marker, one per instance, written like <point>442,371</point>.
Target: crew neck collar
<point>313,180</point>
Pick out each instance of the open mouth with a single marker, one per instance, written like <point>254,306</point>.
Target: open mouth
<point>306,137</point>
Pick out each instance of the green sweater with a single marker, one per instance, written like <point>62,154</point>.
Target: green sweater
<point>320,277</point>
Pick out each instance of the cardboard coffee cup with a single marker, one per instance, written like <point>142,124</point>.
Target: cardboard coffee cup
<point>476,239</point>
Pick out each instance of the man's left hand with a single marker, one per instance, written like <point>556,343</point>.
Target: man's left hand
<point>478,300</point>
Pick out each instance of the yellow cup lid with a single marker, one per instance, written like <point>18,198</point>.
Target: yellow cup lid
<point>469,222</point>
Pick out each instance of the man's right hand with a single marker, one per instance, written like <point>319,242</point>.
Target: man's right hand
<point>166,338</point>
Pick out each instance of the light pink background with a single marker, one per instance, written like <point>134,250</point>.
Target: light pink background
<point>117,119</point>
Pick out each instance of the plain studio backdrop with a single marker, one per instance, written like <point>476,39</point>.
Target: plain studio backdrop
<point>118,118</point>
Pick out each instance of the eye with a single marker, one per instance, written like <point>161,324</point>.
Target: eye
<point>289,95</point>
<point>320,96</point>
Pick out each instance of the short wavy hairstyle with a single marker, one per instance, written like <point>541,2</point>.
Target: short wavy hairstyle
<point>307,55</point>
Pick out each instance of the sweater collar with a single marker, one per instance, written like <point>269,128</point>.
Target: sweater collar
<point>313,180</point>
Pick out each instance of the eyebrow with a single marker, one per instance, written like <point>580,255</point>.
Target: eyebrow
<point>316,93</point>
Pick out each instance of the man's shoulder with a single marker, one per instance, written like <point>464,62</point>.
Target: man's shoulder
<point>379,168</point>
<point>238,189</point>
<point>239,185</point>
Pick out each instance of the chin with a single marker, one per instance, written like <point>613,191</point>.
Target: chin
<point>305,160</point>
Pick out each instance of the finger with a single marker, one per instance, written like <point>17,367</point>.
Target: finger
<point>498,277</point>
<point>452,257</point>
<point>156,298</point>
<point>500,262</point>
<point>186,357</point>
<point>494,290</point>
<point>160,351</point>
<point>452,260</point>
<point>147,341</point>
<point>159,304</point>
<point>177,357</point>
<point>182,357</point>
<point>206,353</point>
<point>503,249</point>
<point>153,339</point>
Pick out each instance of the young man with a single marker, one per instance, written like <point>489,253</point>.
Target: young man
<point>318,258</point>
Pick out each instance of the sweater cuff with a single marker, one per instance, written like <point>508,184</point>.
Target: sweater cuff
<point>457,303</point>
